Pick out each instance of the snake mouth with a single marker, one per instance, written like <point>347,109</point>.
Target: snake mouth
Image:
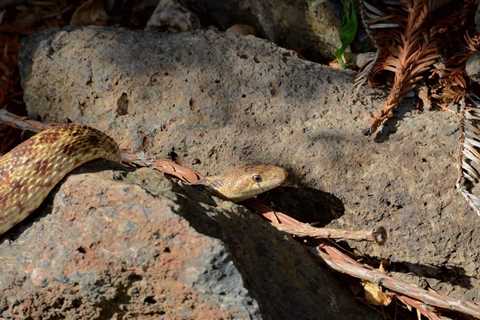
<point>262,188</point>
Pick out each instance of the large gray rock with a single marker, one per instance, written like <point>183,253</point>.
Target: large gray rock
<point>220,100</point>
<point>305,25</point>
<point>117,245</point>
<point>472,67</point>
<point>170,15</point>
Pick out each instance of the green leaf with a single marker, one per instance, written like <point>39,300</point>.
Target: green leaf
<point>348,29</point>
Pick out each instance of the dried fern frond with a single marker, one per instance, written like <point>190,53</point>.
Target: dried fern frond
<point>412,61</point>
<point>417,11</point>
<point>383,26</point>
<point>436,4</point>
<point>403,48</point>
<point>408,40</point>
<point>379,25</point>
<point>452,80</point>
<point>375,18</point>
<point>414,56</point>
<point>450,87</point>
<point>473,42</point>
<point>361,77</point>
<point>371,71</point>
<point>408,44</point>
<point>469,155</point>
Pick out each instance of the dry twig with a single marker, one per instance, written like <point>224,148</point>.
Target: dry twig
<point>422,308</point>
<point>294,227</point>
<point>279,220</point>
<point>174,169</point>
<point>377,235</point>
<point>340,262</point>
<point>21,123</point>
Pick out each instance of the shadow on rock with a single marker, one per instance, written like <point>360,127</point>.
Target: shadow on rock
<point>278,272</point>
<point>448,274</point>
<point>390,126</point>
<point>451,274</point>
<point>305,204</point>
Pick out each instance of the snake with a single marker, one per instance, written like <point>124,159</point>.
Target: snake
<point>31,170</point>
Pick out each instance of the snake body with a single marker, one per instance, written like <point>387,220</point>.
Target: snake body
<point>30,171</point>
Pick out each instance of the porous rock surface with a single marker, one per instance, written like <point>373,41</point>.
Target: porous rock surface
<point>218,100</point>
<point>112,244</point>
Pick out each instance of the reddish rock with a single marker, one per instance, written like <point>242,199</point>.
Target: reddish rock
<point>112,245</point>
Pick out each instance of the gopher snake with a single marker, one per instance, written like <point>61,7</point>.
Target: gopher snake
<point>32,169</point>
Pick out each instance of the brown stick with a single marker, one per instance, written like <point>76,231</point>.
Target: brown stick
<point>344,264</point>
<point>424,309</point>
<point>378,235</point>
<point>21,123</point>
<point>172,168</point>
<point>288,224</point>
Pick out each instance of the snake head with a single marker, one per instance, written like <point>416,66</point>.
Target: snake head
<point>246,182</point>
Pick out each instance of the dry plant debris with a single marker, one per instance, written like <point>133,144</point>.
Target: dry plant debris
<point>418,41</point>
<point>424,45</point>
<point>423,300</point>
<point>406,50</point>
<point>469,155</point>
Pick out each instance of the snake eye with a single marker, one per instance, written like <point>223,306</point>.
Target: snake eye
<point>257,178</point>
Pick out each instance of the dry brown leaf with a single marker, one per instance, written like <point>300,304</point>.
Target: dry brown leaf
<point>374,294</point>
<point>92,12</point>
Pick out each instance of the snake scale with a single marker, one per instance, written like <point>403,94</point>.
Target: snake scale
<point>30,171</point>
